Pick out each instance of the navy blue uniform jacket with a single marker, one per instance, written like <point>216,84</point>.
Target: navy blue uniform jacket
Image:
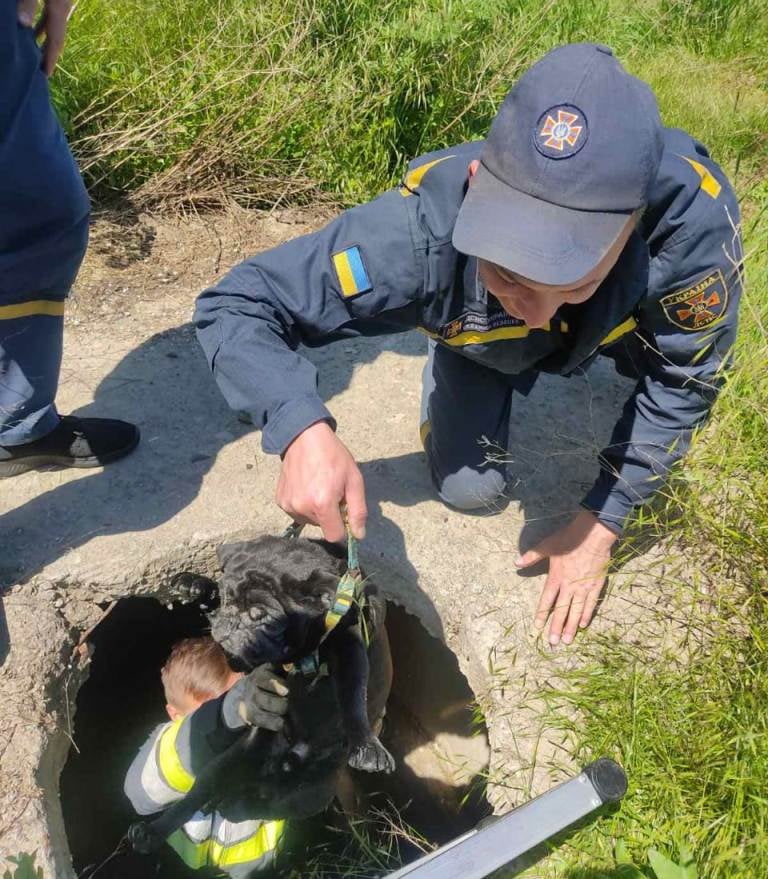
<point>389,266</point>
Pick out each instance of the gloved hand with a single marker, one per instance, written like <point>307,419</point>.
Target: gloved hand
<point>259,699</point>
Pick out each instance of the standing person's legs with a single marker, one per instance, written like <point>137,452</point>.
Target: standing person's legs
<point>463,405</point>
<point>30,358</point>
<point>43,235</point>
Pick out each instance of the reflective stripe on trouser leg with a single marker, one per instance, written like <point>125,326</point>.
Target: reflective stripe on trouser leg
<point>30,359</point>
<point>463,405</point>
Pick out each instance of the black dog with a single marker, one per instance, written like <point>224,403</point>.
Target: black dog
<point>274,596</point>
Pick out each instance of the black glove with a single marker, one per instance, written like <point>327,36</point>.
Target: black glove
<point>259,699</point>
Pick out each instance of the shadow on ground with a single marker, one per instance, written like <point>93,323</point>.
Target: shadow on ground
<point>164,385</point>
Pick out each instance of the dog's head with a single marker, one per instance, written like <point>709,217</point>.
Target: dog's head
<point>275,593</point>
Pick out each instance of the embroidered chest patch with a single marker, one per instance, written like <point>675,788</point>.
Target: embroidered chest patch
<point>477,324</point>
<point>698,306</point>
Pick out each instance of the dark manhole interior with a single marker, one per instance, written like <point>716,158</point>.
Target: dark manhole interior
<point>122,701</point>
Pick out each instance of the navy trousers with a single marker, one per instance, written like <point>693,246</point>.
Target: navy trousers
<point>43,235</point>
<point>465,409</point>
<point>465,412</point>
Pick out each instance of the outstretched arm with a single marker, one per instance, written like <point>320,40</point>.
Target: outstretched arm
<point>359,275</point>
<point>169,763</point>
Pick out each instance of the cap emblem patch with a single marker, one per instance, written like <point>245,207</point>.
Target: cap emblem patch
<point>561,132</point>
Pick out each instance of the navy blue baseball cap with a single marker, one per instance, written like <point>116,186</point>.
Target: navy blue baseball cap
<point>570,156</point>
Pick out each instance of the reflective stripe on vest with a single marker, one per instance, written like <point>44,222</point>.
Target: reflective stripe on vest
<point>154,780</point>
<point>194,854</point>
<point>169,761</point>
<point>257,849</point>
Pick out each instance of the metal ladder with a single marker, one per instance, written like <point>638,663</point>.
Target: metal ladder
<point>481,851</point>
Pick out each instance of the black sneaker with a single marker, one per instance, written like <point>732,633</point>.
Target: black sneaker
<point>76,442</point>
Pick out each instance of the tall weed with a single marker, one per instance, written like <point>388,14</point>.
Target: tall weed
<point>268,101</point>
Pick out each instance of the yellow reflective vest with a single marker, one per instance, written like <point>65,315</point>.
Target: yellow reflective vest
<point>161,774</point>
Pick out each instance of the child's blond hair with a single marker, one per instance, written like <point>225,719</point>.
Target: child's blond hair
<point>197,669</point>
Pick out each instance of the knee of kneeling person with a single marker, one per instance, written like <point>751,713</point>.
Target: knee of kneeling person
<point>470,489</point>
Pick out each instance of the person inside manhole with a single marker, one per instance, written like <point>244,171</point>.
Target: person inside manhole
<point>209,705</point>
<point>581,226</point>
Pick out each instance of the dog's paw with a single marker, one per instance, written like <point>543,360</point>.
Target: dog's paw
<point>194,589</point>
<point>371,756</point>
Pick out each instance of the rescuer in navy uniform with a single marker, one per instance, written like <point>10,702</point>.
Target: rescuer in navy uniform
<point>581,227</point>
<point>43,235</point>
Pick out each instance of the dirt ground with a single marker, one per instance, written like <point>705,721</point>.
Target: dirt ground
<point>75,541</point>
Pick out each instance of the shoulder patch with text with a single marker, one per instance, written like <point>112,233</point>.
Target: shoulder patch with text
<point>350,270</point>
<point>698,306</point>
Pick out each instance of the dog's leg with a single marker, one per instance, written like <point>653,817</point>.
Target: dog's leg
<point>348,661</point>
<point>347,794</point>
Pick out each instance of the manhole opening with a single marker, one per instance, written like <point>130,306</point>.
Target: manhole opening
<point>431,730</point>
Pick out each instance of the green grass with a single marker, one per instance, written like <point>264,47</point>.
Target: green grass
<point>280,98</point>
<point>24,867</point>
<point>351,848</point>
<point>196,103</point>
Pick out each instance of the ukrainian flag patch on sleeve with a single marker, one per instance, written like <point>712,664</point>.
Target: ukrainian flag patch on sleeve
<point>350,270</point>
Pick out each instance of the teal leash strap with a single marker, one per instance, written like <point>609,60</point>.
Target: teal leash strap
<point>353,583</point>
<point>293,530</point>
<point>353,563</point>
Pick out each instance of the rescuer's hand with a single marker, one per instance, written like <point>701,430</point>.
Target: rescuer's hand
<point>259,699</point>
<point>579,555</point>
<point>52,24</point>
<point>318,475</point>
